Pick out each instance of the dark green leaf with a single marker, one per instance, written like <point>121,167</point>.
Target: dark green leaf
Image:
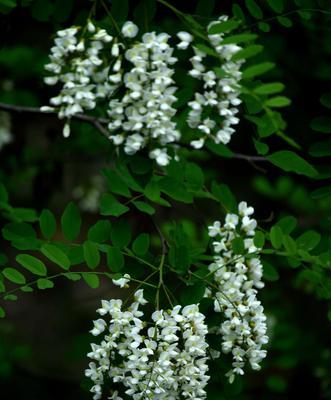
<point>276,5</point>
<point>100,231</point>
<point>56,255</point>
<point>115,259</point>
<point>325,100</point>
<point>259,239</point>
<point>144,207</point>
<point>32,264</point>
<point>276,237</point>
<point>91,254</point>
<point>254,9</point>
<point>192,294</point>
<point>257,69</point>
<point>269,88</point>
<point>109,205</point>
<point>289,244</point>
<point>71,222</point>
<point>92,280</point>
<point>247,52</point>
<point>238,245</point>
<point>224,26</point>
<point>45,284</point>
<point>115,183</point>
<point>224,195</point>
<point>240,38</point>
<point>121,233</point>
<point>278,101</point>
<point>2,313</point>
<point>14,276</point>
<point>141,244</point>
<point>309,240</point>
<point>321,124</point>
<point>291,162</point>
<point>47,224</point>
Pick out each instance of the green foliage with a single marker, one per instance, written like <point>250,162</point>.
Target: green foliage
<point>71,222</point>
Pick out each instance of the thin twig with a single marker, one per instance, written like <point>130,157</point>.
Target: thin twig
<point>99,123</point>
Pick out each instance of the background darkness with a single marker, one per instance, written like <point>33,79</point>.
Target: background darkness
<point>44,340</point>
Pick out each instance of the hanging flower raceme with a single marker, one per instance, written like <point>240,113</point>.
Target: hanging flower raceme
<point>136,78</point>
<point>237,278</point>
<point>161,359</point>
<point>77,65</point>
<point>213,112</point>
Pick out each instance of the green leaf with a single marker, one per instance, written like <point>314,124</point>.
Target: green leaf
<point>257,69</point>
<point>100,231</point>
<point>276,5</point>
<point>32,264</point>
<point>284,21</point>
<point>92,280</point>
<point>192,294</point>
<point>240,38</point>
<point>43,284</point>
<point>56,255</point>
<point>179,258</point>
<point>291,162</point>
<point>115,183</point>
<point>321,124</point>
<point>309,240</point>
<point>14,276</point>
<point>71,222</point>
<point>194,176</point>
<point>259,239</point>
<point>115,259</point>
<point>109,205</point>
<point>270,273</point>
<point>121,233</point>
<point>278,101</point>
<point>175,190</point>
<point>325,101</point>
<point>2,285</point>
<point>321,192</point>
<point>47,223</point>
<point>219,149</point>
<point>141,244</point>
<point>261,148</point>
<point>254,9</point>
<point>72,276</point>
<point>17,231</point>
<point>269,88</point>
<point>276,237</point>
<point>287,224</point>
<point>91,254</point>
<point>8,3</point>
<point>238,245</point>
<point>225,196</point>
<point>224,26</point>
<point>144,207</point>
<point>320,149</point>
<point>2,313</point>
<point>152,192</point>
<point>247,52</point>
<point>289,244</point>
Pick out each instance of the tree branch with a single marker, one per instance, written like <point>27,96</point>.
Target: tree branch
<point>98,123</point>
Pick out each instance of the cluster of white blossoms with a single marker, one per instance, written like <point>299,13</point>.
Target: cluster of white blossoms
<point>5,129</point>
<point>213,110</point>
<point>161,359</point>
<point>134,80</point>
<point>238,277</point>
<point>77,64</point>
<point>145,112</point>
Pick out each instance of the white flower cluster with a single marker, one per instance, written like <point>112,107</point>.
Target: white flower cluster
<point>220,94</point>
<point>163,359</point>
<point>136,79</point>
<point>237,278</point>
<point>77,64</point>
<point>145,112</point>
<point>5,129</point>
